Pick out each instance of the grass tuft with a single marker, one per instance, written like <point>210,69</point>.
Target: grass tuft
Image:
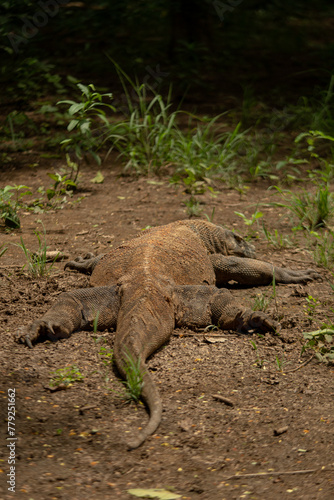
<point>37,262</point>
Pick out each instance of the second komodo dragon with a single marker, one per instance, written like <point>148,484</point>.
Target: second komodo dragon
<point>165,278</point>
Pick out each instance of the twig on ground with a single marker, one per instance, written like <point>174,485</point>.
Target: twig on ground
<point>227,401</point>
<point>11,266</point>
<point>300,366</point>
<point>88,407</point>
<point>279,473</point>
<point>281,430</point>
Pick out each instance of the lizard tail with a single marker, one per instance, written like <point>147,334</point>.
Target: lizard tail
<point>151,397</point>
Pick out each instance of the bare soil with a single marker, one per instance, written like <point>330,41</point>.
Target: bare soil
<point>276,441</point>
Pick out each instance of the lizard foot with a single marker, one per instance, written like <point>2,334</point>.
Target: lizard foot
<point>39,330</point>
<point>300,276</point>
<point>261,322</point>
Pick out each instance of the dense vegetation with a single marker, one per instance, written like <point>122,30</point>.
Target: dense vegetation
<point>202,92</point>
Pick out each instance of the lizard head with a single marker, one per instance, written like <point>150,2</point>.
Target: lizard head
<point>236,245</point>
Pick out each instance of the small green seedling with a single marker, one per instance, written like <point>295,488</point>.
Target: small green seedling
<point>3,250</point>
<point>259,362</point>
<point>193,207</point>
<point>66,376</point>
<point>65,183</point>
<point>105,353</point>
<point>236,182</point>
<point>106,356</point>
<point>211,217</point>
<point>37,261</point>
<point>276,239</point>
<point>261,303</point>
<point>312,304</point>
<point>280,363</point>
<point>250,222</point>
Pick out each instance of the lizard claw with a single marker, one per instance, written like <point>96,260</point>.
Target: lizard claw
<point>28,342</point>
<point>259,321</point>
<point>38,330</point>
<point>23,337</point>
<point>313,275</point>
<point>303,276</point>
<point>32,333</point>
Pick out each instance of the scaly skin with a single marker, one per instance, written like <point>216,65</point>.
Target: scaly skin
<point>162,279</point>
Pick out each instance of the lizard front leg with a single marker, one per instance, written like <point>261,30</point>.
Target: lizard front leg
<point>73,311</point>
<point>256,272</point>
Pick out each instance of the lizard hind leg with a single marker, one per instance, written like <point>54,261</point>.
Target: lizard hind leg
<point>199,306</point>
<point>228,314</point>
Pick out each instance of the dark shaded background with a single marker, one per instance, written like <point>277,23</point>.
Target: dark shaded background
<point>274,51</point>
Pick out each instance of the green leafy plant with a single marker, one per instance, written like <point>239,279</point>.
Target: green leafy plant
<point>83,115</point>
<point>134,378</point>
<point>192,185</point>
<point>211,217</point>
<point>322,344</point>
<point>66,376</point>
<point>250,222</point>
<point>37,262</point>
<point>276,239</point>
<point>323,250</point>
<point>236,182</point>
<point>280,363</point>
<point>62,186</point>
<point>10,202</point>
<point>312,304</point>
<point>193,207</point>
<point>206,150</point>
<point>144,139</point>
<point>261,303</point>
<point>259,361</point>
<point>262,169</point>
<point>106,355</point>
<point>323,172</point>
<point>311,210</point>
<point>3,250</point>
<point>149,138</point>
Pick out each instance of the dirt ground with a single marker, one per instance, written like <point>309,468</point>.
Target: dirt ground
<point>276,441</point>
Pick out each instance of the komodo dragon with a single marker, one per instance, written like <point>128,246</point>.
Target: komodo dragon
<point>163,279</point>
